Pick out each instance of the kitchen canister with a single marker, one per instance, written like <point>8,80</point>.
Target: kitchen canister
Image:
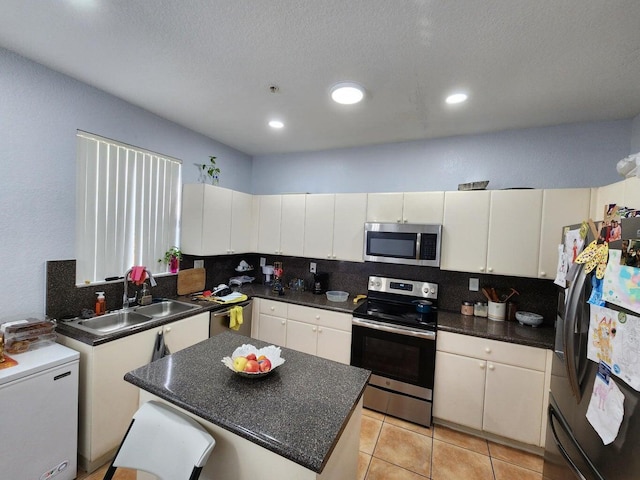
<point>466,308</point>
<point>497,311</point>
<point>480,309</point>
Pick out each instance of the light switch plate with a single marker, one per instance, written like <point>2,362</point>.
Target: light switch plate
<point>312,267</point>
<point>263,261</point>
<point>198,264</point>
<point>474,284</point>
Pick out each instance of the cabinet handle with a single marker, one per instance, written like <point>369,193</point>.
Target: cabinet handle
<point>491,367</point>
<point>399,220</point>
<point>543,274</point>
<point>329,255</point>
<point>406,221</point>
<point>317,317</point>
<point>167,330</point>
<point>487,349</point>
<point>481,365</point>
<point>272,308</point>
<point>335,256</point>
<point>282,322</point>
<point>490,269</point>
<point>313,329</point>
<point>319,330</point>
<point>482,269</point>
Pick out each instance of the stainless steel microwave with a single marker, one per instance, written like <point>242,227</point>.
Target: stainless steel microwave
<point>402,243</point>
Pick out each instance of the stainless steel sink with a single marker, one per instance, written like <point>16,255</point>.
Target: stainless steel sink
<point>129,318</point>
<point>166,308</point>
<point>112,322</point>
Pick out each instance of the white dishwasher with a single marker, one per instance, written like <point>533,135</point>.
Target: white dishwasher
<point>39,427</point>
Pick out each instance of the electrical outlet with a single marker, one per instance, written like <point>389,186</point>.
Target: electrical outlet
<point>474,284</point>
<point>263,261</point>
<point>198,264</point>
<point>312,267</point>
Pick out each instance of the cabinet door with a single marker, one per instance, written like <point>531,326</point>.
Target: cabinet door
<point>292,225</point>
<point>272,330</point>
<point>302,336</point>
<point>191,221</point>
<point>458,392</point>
<point>348,226</point>
<point>114,401</point>
<point>269,224</point>
<point>513,396</point>
<point>514,232</point>
<point>465,231</point>
<point>423,207</point>
<point>560,207</point>
<point>384,207</point>
<point>614,193</point>
<point>334,345</point>
<point>186,332</point>
<point>216,223</point>
<point>632,193</point>
<point>318,226</point>
<point>241,223</point>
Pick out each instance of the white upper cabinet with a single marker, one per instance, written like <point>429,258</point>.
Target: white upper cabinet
<point>215,220</point>
<point>318,226</point>
<point>465,231</point>
<point>514,232</point>
<point>270,208</point>
<point>614,193</point>
<point>560,207</point>
<point>348,226</point>
<point>292,225</point>
<point>410,207</point>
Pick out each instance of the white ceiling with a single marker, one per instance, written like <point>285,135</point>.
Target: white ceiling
<point>208,64</point>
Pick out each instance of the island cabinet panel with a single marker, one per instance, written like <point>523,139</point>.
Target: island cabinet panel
<point>408,207</point>
<point>106,401</point>
<point>492,386</point>
<point>272,322</point>
<point>560,207</point>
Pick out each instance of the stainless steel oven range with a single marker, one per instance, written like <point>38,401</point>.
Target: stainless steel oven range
<point>394,336</point>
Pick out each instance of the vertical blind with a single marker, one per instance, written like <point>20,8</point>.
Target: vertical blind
<point>128,208</point>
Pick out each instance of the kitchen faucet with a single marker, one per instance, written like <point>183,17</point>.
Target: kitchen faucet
<point>125,299</point>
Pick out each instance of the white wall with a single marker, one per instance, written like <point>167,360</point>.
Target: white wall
<point>577,155</point>
<point>40,111</point>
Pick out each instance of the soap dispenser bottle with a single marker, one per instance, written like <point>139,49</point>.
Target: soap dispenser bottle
<point>101,304</point>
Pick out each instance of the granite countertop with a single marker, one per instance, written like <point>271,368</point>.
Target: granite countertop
<point>300,298</point>
<point>512,332</point>
<point>297,411</point>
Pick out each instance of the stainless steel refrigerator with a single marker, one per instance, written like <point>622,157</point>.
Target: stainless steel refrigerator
<point>573,448</point>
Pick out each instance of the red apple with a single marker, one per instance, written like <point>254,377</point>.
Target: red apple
<point>265,365</point>
<point>251,356</point>
<point>252,366</point>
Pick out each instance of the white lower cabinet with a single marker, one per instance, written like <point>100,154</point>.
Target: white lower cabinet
<point>492,386</point>
<point>315,331</point>
<point>106,401</point>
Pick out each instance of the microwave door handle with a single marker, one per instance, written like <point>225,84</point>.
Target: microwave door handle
<point>571,328</point>
<point>418,243</point>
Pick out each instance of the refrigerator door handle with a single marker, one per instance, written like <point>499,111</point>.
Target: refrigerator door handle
<point>571,327</point>
<point>553,416</point>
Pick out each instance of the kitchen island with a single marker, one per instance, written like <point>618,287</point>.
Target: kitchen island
<point>301,421</point>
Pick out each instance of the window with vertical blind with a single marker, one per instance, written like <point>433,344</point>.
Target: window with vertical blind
<point>128,208</point>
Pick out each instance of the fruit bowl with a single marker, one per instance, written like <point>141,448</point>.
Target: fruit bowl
<point>272,353</point>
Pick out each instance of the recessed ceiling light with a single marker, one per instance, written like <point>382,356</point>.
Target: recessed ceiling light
<point>456,98</point>
<point>347,93</point>
<point>276,124</point>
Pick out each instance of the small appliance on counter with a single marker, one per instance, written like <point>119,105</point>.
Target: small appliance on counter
<point>320,283</point>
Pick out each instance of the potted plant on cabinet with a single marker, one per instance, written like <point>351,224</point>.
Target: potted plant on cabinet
<point>209,169</point>
<point>172,257</point>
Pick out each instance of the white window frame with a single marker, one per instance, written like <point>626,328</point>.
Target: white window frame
<point>128,203</point>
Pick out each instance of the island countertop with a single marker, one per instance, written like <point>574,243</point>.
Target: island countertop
<point>298,411</point>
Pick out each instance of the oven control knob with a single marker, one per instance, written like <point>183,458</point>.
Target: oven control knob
<point>375,283</point>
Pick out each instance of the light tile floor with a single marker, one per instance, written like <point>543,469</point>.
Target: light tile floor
<point>392,449</point>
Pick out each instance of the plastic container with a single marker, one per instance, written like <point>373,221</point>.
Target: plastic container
<point>28,334</point>
<point>466,308</point>
<point>337,296</point>
<point>101,304</point>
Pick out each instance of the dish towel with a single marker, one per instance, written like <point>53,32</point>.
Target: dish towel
<point>159,349</point>
<point>235,318</point>
<point>138,275</point>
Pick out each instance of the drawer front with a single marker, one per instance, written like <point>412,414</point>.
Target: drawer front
<point>318,316</point>
<point>494,350</point>
<point>276,309</point>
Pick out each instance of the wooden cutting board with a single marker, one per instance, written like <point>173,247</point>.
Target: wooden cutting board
<point>191,280</point>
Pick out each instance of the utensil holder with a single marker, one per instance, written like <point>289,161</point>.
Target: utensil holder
<point>497,311</point>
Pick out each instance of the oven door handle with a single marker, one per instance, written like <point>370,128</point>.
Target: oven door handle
<point>427,335</point>
<point>225,312</point>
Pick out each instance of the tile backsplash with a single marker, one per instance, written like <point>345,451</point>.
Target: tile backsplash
<point>64,299</point>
